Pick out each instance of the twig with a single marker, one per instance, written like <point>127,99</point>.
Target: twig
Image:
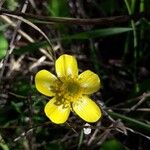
<point>25,35</point>
<point>93,135</point>
<point>1,3</point>
<point>28,131</point>
<point>23,135</point>
<point>96,21</point>
<point>38,29</point>
<point>129,109</point>
<point>139,133</point>
<point>143,98</point>
<point>37,63</point>
<point>18,96</point>
<point>147,94</point>
<point>30,136</point>
<point>12,46</point>
<point>11,23</point>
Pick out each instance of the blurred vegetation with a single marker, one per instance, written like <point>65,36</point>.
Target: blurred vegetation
<point>118,52</point>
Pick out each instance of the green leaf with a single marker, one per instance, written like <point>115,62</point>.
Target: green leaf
<point>22,87</point>
<point>59,8</point>
<point>112,144</point>
<point>17,106</point>
<point>4,146</point>
<point>3,45</point>
<point>97,33</point>
<point>140,88</point>
<point>3,27</point>
<point>131,122</point>
<point>55,146</point>
<point>31,48</point>
<point>11,4</point>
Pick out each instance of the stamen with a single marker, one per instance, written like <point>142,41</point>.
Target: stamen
<point>67,90</point>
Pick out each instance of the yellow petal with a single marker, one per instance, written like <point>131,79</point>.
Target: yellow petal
<point>44,81</point>
<point>66,65</point>
<point>89,81</point>
<point>57,113</point>
<point>87,109</point>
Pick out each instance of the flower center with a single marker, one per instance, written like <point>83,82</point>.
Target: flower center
<point>67,90</point>
<point>71,87</point>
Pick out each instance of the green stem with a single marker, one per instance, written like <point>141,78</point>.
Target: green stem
<point>142,8</point>
<point>133,2</point>
<point>135,41</point>
<point>128,7</point>
<point>94,56</point>
<point>138,125</point>
<point>142,5</point>
<point>80,140</point>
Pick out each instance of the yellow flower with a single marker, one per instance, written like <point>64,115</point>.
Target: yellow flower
<point>69,90</point>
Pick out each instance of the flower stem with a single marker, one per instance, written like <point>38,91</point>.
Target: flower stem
<point>135,43</point>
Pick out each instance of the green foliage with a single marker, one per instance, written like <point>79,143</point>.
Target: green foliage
<point>22,87</point>
<point>30,48</point>
<point>97,33</point>
<point>133,123</point>
<point>110,6</point>
<point>11,4</point>
<point>140,88</point>
<point>3,46</point>
<point>55,146</point>
<point>119,53</point>
<point>3,26</point>
<point>112,144</point>
<point>58,8</point>
<point>4,146</point>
